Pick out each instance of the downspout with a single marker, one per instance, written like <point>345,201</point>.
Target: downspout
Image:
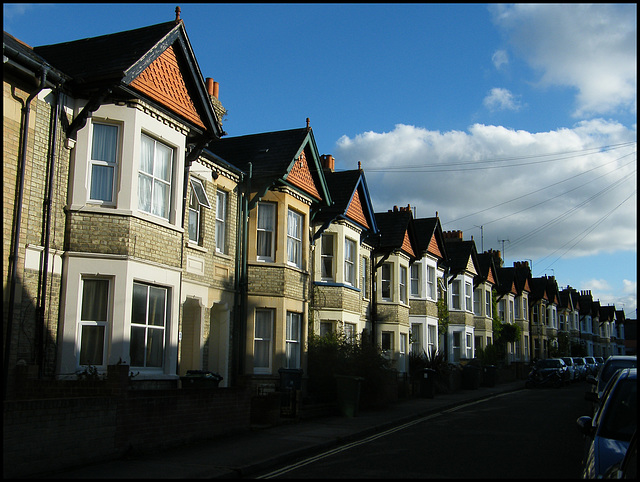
<point>53,134</point>
<point>244,282</point>
<point>26,110</point>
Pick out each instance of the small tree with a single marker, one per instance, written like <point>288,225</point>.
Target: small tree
<point>443,318</point>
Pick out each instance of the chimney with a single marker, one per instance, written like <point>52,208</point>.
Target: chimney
<point>328,162</point>
<point>212,88</point>
<point>453,235</point>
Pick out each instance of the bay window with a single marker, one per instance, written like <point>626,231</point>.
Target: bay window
<point>94,322</point>
<point>385,272</point>
<point>477,303</point>
<point>266,231</point>
<point>455,295</point>
<point>262,341</point>
<point>221,221</point>
<point>488,304</point>
<point>467,297</point>
<point>103,164</point>
<point>148,324</point>
<point>364,285</point>
<point>415,279</point>
<point>326,257</point>
<point>403,285</point>
<point>349,262</point>
<point>154,177</point>
<point>197,201</point>
<point>294,238</point>
<point>431,282</point>
<point>292,350</point>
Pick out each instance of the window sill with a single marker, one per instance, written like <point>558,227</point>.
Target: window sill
<point>197,247</point>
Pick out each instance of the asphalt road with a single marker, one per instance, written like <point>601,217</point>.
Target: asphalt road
<point>524,434</point>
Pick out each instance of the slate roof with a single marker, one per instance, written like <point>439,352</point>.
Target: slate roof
<point>426,229</point>
<point>486,263</point>
<point>342,185</point>
<point>538,290</point>
<point>393,226</point>
<point>101,60</point>
<point>271,154</point>
<point>458,253</point>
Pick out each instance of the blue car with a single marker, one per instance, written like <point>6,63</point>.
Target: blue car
<point>609,431</point>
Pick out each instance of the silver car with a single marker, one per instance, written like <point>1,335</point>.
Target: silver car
<point>573,373</point>
<point>581,367</point>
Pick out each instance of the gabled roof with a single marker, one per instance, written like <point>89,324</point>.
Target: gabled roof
<point>538,290</point>
<point>396,232</point>
<point>156,63</point>
<point>586,300</point>
<point>429,238</point>
<point>488,272</point>
<point>351,200</point>
<point>285,158</point>
<point>462,256</point>
<point>607,313</point>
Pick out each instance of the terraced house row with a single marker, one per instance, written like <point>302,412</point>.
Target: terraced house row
<point>137,232</point>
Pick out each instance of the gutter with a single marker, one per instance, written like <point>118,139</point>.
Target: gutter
<point>13,258</point>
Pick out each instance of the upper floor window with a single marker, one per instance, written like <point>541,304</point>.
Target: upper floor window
<point>294,238</point>
<point>326,257</point>
<point>403,284</point>
<point>534,314</point>
<point>525,309</point>
<point>266,231</point>
<point>148,322</point>
<point>197,201</point>
<point>385,272</point>
<point>364,285</point>
<point>501,309</point>
<point>104,158</point>
<point>488,303</point>
<point>511,314</point>
<point>416,269</point>
<point>350,261</point>
<point>477,301</point>
<point>154,177</point>
<point>517,307</point>
<point>431,282</point>
<point>221,221</point>
<point>467,297</point>
<point>455,295</point>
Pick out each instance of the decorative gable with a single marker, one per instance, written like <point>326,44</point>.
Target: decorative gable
<point>491,279</point>
<point>514,289</point>
<point>355,211</point>
<point>470,267</point>
<point>406,245</point>
<point>300,176</point>
<point>433,248</point>
<point>163,82</point>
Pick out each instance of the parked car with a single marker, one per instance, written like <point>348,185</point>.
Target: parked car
<point>613,364</point>
<point>548,365</point>
<point>592,365</point>
<point>581,367</point>
<point>628,468</point>
<point>571,368</point>
<point>608,433</point>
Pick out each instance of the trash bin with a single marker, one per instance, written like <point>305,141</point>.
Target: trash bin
<point>348,393</point>
<point>489,375</point>
<point>471,377</point>
<point>428,383</point>
<point>200,379</point>
<point>290,383</point>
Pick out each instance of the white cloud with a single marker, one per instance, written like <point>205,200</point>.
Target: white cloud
<point>589,47</point>
<point>501,99</point>
<point>500,58</point>
<point>550,194</point>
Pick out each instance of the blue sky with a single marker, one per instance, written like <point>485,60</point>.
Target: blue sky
<point>516,123</point>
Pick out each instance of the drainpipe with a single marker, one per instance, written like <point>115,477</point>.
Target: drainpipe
<point>26,110</point>
<point>53,134</point>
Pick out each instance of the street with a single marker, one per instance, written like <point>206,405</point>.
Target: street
<point>524,434</point>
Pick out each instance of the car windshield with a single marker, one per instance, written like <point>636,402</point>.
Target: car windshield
<point>568,361</point>
<point>590,360</point>
<point>614,365</point>
<point>620,418</point>
<point>578,361</point>
<point>548,363</point>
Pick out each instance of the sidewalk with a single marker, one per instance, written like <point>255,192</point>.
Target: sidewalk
<point>248,453</point>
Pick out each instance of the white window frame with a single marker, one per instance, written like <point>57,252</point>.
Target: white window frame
<point>149,327</point>
<point>350,256</point>
<point>386,281</point>
<point>477,301</point>
<point>268,210</point>
<point>402,353</point>
<point>416,338</point>
<point>501,310</point>
<point>456,302</point>
<point>266,340</point>
<point>387,336</point>
<point>105,324</point>
<point>468,304</point>
<point>517,309</point>
<point>469,345</point>
<point>292,340</point>
<point>363,275</point>
<point>432,340</point>
<point>294,238</point>
<point>403,285</point>
<point>104,163</point>
<point>350,332</point>
<point>157,182</point>
<point>221,221</point>
<point>488,304</point>
<point>327,258</point>
<point>431,283</point>
<point>197,200</point>
<point>416,280</point>
<point>456,345</point>
<point>511,314</point>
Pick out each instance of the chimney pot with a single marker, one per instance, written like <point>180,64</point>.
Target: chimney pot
<point>328,162</point>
